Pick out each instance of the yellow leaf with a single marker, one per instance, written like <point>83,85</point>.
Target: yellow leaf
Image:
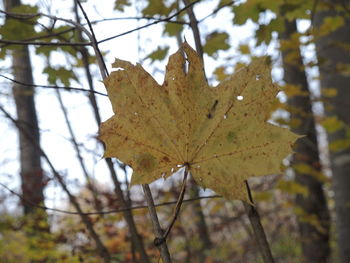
<point>330,24</point>
<point>244,49</point>
<point>329,92</point>
<point>294,90</point>
<point>293,187</point>
<point>220,133</point>
<point>220,73</point>
<point>332,124</point>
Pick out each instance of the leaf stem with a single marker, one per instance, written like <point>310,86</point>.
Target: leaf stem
<point>178,204</point>
<point>258,229</point>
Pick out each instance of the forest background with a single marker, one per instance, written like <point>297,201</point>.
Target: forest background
<point>60,202</point>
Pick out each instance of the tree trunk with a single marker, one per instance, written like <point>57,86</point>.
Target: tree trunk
<point>306,162</point>
<point>332,57</point>
<point>31,171</point>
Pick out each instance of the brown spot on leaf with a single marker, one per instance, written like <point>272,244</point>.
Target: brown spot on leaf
<point>146,161</point>
<point>166,159</point>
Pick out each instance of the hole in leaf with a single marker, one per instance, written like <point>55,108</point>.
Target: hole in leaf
<point>240,97</point>
<point>225,117</point>
<point>257,76</point>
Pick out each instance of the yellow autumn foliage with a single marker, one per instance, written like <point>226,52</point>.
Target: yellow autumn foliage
<point>220,133</point>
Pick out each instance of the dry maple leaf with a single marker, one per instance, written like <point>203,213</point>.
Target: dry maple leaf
<point>219,133</point>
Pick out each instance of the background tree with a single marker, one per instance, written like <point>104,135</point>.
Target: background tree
<point>31,172</point>
<point>332,25</point>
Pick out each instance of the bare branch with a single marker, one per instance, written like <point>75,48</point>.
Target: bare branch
<point>159,241</point>
<point>42,43</point>
<point>258,229</point>
<point>216,11</point>
<point>52,86</point>
<point>167,19</point>
<point>138,18</point>
<point>116,211</point>
<point>93,39</point>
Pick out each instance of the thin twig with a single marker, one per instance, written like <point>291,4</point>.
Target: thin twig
<point>178,204</point>
<point>93,40</point>
<point>216,11</point>
<point>41,43</point>
<point>75,144</point>
<point>52,86</point>
<point>57,34</point>
<point>151,24</point>
<point>159,241</point>
<point>258,229</point>
<point>86,64</point>
<point>160,237</point>
<point>115,211</point>
<point>137,18</point>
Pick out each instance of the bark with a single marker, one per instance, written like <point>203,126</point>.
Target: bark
<point>32,179</point>
<point>331,53</point>
<point>314,238</point>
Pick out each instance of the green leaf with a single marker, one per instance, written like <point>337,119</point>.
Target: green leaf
<point>244,49</point>
<point>292,187</point>
<point>59,74</point>
<point>248,10</point>
<point>157,7</point>
<point>329,25</point>
<point>62,37</point>
<point>297,9</point>
<point>172,29</point>
<point>264,32</point>
<point>121,4</point>
<point>273,5</point>
<point>223,3</point>
<point>216,41</point>
<point>332,124</point>
<point>220,73</point>
<point>19,29</point>
<point>159,54</point>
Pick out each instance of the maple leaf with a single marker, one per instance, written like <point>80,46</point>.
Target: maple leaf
<point>220,133</point>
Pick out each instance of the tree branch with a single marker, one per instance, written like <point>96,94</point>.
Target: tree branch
<point>167,19</point>
<point>159,241</point>
<point>93,38</point>
<point>41,43</point>
<point>258,229</point>
<point>108,211</point>
<point>52,86</point>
